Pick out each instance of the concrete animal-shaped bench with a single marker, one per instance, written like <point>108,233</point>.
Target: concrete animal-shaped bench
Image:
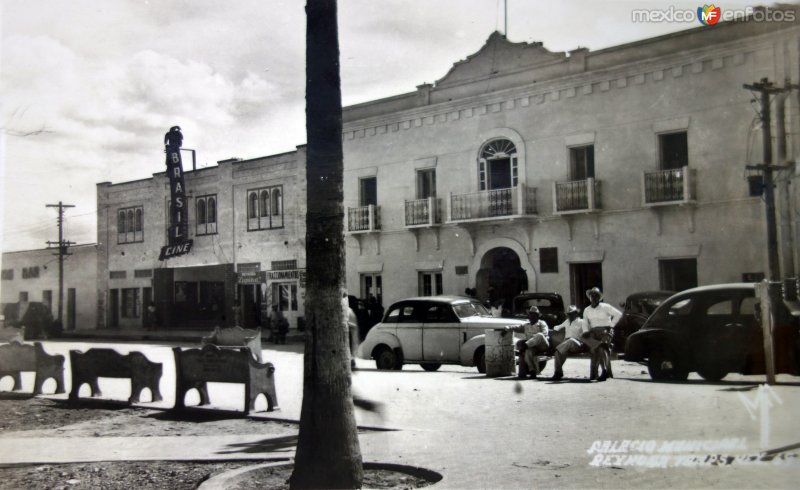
<point>194,368</point>
<point>17,357</point>
<point>236,337</point>
<point>88,366</point>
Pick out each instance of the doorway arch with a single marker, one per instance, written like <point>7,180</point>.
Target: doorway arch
<point>503,266</point>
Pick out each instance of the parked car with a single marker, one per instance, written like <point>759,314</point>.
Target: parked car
<point>551,306</point>
<point>636,309</point>
<point>711,330</point>
<point>431,331</point>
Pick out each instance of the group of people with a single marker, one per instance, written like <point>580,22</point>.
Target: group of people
<point>593,332</point>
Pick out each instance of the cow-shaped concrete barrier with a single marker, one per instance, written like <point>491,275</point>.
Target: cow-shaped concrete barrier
<point>194,368</point>
<point>88,366</point>
<point>17,357</point>
<point>236,337</point>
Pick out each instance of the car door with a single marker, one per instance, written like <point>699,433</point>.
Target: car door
<point>440,334</point>
<point>409,330</point>
<point>724,340</point>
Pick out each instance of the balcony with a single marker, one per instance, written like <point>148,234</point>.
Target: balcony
<point>423,212</point>
<point>493,205</point>
<point>665,187</point>
<point>577,196</point>
<point>364,219</point>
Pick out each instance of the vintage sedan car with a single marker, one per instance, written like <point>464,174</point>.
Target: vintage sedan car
<point>431,331</point>
<point>711,330</point>
<point>551,306</point>
<point>636,309</point>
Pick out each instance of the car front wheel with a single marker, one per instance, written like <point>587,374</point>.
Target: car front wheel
<point>664,366</point>
<point>712,373</point>
<point>430,366</point>
<point>385,359</point>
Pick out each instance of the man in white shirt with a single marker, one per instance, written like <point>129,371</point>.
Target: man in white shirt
<point>573,328</point>
<point>600,318</point>
<point>537,340</point>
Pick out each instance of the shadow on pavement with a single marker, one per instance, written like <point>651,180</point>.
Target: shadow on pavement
<point>190,414</point>
<point>94,403</point>
<point>746,383</point>
<point>16,395</point>
<point>281,444</point>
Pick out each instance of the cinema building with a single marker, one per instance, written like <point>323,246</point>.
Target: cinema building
<point>246,221</point>
<point>526,169</point>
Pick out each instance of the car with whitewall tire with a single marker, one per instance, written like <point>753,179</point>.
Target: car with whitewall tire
<point>431,331</point>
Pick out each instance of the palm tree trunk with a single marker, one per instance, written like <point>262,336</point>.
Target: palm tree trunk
<point>328,453</point>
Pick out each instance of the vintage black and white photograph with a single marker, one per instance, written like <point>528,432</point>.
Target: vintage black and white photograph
<point>456,244</point>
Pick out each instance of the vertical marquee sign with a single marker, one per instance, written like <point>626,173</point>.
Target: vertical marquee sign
<point>178,231</point>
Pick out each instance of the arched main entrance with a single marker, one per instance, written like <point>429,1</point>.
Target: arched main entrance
<point>501,275</point>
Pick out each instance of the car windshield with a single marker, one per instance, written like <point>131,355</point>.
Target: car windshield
<point>465,310</point>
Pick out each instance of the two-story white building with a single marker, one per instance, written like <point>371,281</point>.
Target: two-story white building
<point>247,224</point>
<point>525,169</point>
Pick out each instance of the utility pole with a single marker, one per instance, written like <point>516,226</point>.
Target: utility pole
<point>63,246</point>
<point>767,88</point>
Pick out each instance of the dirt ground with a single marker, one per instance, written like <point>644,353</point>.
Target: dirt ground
<point>24,416</point>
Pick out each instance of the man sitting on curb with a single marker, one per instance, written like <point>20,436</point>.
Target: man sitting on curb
<point>536,341</point>
<point>573,328</point>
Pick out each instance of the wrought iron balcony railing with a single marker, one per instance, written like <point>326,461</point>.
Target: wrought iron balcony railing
<point>423,212</point>
<point>364,219</point>
<point>494,204</point>
<point>576,196</point>
<point>674,186</point>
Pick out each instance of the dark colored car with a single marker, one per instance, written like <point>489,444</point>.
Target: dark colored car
<point>636,309</point>
<point>711,330</point>
<point>37,320</point>
<point>550,305</point>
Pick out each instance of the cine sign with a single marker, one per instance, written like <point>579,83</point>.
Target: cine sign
<point>170,251</point>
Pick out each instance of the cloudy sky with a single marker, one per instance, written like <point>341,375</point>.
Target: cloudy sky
<point>88,88</point>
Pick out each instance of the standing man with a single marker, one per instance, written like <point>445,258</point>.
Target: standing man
<point>573,328</point>
<point>537,340</point>
<point>600,318</point>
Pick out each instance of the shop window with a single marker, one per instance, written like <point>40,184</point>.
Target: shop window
<point>265,208</point>
<point>23,296</point>
<point>430,283</point>
<point>284,296</point>
<point>130,303</point>
<point>581,161</point>
<point>130,225</point>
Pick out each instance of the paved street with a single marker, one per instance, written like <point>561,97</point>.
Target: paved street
<point>489,433</point>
